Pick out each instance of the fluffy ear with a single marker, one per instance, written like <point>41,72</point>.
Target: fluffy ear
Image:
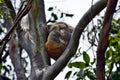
<point>71,29</point>
<point>48,28</point>
<point>53,27</point>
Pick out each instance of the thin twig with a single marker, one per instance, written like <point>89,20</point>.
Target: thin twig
<point>21,13</point>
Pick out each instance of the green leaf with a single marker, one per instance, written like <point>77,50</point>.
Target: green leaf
<point>1,1</point>
<point>109,54</point>
<point>79,50</point>
<point>90,75</point>
<point>69,15</point>
<point>74,73</point>
<point>86,57</point>
<point>1,30</point>
<point>61,15</point>
<point>54,16</point>
<point>50,9</point>
<point>80,65</point>
<point>0,67</point>
<point>93,61</point>
<point>67,76</point>
<point>52,21</point>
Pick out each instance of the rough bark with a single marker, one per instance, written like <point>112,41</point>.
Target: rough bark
<point>37,19</point>
<point>14,49</point>
<point>36,52</point>
<point>104,41</point>
<point>15,58</point>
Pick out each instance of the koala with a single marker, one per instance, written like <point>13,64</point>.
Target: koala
<point>59,35</point>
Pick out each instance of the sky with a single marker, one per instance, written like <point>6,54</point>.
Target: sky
<point>76,7</point>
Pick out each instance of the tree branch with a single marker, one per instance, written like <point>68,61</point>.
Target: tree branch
<point>37,27</point>
<point>54,70</point>
<point>13,46</point>
<point>15,58</point>
<point>11,8</point>
<point>104,41</point>
<point>37,24</point>
<point>22,13</point>
<point>25,43</point>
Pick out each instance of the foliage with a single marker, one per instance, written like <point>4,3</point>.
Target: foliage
<point>2,12</point>
<point>86,68</point>
<point>57,14</point>
<point>113,52</point>
<point>3,68</point>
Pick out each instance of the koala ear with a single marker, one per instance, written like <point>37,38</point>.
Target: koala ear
<point>71,29</point>
<point>48,27</point>
<point>62,25</point>
<point>52,27</point>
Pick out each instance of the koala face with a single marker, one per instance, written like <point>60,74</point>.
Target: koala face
<point>55,36</point>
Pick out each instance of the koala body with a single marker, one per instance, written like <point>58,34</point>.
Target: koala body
<point>58,38</point>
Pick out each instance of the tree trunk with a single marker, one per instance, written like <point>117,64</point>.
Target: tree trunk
<point>104,39</point>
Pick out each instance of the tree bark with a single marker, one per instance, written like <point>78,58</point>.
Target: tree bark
<point>37,18</point>
<point>104,41</point>
<point>14,49</point>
